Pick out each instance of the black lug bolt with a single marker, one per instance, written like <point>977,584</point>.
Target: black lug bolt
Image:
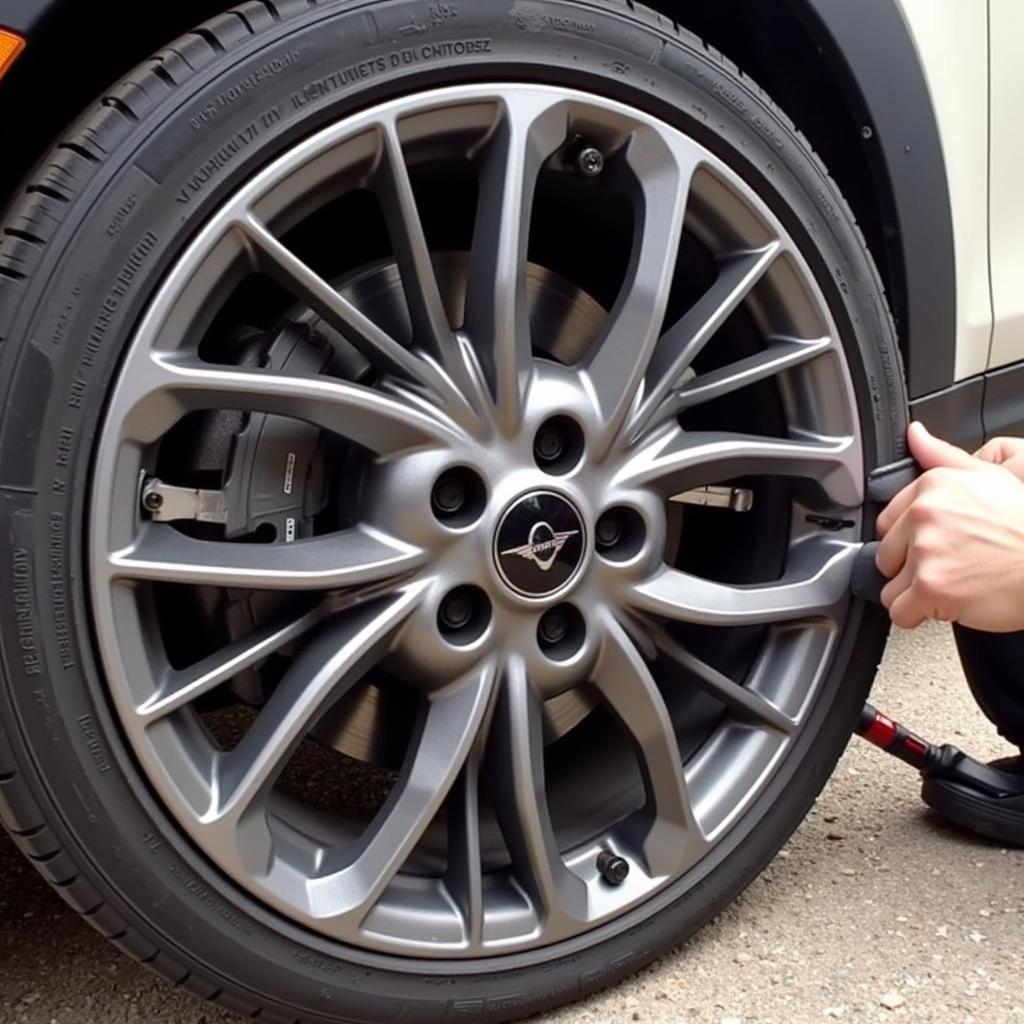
<point>609,531</point>
<point>456,611</point>
<point>554,627</point>
<point>153,502</point>
<point>614,870</point>
<point>449,496</point>
<point>550,445</point>
<point>590,162</point>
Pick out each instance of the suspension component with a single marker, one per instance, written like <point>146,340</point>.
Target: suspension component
<point>167,504</point>
<point>737,499</point>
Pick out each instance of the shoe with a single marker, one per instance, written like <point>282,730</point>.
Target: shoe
<point>993,808</point>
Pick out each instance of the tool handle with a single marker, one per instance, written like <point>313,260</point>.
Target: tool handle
<point>897,740</point>
<point>866,582</point>
<point>887,481</point>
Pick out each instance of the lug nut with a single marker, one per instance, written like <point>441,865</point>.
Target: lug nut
<point>620,533</point>
<point>464,615</point>
<point>609,531</point>
<point>456,611</point>
<point>458,497</point>
<point>613,869</point>
<point>554,627</point>
<point>590,162</point>
<point>561,632</point>
<point>558,445</point>
<point>550,445</point>
<point>449,496</point>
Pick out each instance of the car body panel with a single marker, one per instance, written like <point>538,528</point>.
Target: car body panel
<point>869,49</point>
<point>1007,198</point>
<point>24,16</point>
<point>951,37</point>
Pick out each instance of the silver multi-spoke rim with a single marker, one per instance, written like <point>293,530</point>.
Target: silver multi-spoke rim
<point>474,396</point>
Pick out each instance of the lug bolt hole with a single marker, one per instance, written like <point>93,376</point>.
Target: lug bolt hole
<point>464,615</point>
<point>558,446</point>
<point>560,632</point>
<point>458,497</point>
<point>619,534</point>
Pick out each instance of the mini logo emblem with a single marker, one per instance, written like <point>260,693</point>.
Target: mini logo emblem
<point>543,545</point>
<point>540,544</point>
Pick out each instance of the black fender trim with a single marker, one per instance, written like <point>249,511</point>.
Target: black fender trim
<point>956,413</point>
<point>1003,409</point>
<point>977,409</point>
<point>870,48</point>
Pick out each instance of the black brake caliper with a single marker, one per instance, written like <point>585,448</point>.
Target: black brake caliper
<point>274,482</point>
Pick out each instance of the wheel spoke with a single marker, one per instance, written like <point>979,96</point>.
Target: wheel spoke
<point>272,256</point>
<point>747,705</point>
<point>326,668</point>
<point>497,313</point>
<point>677,461</point>
<point>679,347</point>
<point>446,735</point>
<point>173,387</point>
<point>518,791</point>
<point>667,827</point>
<point>781,355</point>
<point>619,359</point>
<point>181,687</point>
<point>464,879</point>
<point>350,558</point>
<point>432,330</point>
<point>816,585</point>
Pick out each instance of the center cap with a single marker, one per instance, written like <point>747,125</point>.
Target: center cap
<point>539,544</point>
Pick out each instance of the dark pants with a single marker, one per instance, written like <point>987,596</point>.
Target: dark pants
<point>994,666</point>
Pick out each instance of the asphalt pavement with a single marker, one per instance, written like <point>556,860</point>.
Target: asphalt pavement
<point>873,912</point>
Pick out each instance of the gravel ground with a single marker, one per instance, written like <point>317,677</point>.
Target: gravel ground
<point>874,912</point>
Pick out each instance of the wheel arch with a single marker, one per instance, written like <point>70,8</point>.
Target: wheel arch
<point>850,77</point>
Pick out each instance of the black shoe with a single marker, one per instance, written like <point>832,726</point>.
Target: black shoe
<point>993,808</point>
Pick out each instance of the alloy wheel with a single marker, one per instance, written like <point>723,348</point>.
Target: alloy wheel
<point>505,550</point>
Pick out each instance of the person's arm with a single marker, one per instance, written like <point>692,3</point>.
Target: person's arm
<point>953,541</point>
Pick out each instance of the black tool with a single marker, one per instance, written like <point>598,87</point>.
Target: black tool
<point>934,762</point>
<point>866,582</point>
<point>945,762</point>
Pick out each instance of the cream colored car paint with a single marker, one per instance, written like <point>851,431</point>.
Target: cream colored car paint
<point>952,39</point>
<point>1006,179</point>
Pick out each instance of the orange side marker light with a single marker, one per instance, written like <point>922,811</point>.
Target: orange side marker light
<point>11,46</point>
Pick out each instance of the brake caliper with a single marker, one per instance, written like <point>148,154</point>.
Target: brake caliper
<point>273,477</point>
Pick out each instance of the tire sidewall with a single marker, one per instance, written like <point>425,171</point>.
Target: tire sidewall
<point>69,330</point>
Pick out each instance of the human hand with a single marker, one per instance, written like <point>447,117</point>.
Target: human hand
<point>1007,452</point>
<point>953,541</point>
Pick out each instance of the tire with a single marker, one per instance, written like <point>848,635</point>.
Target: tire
<point>84,248</point>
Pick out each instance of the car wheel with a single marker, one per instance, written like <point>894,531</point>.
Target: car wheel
<point>433,456</point>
